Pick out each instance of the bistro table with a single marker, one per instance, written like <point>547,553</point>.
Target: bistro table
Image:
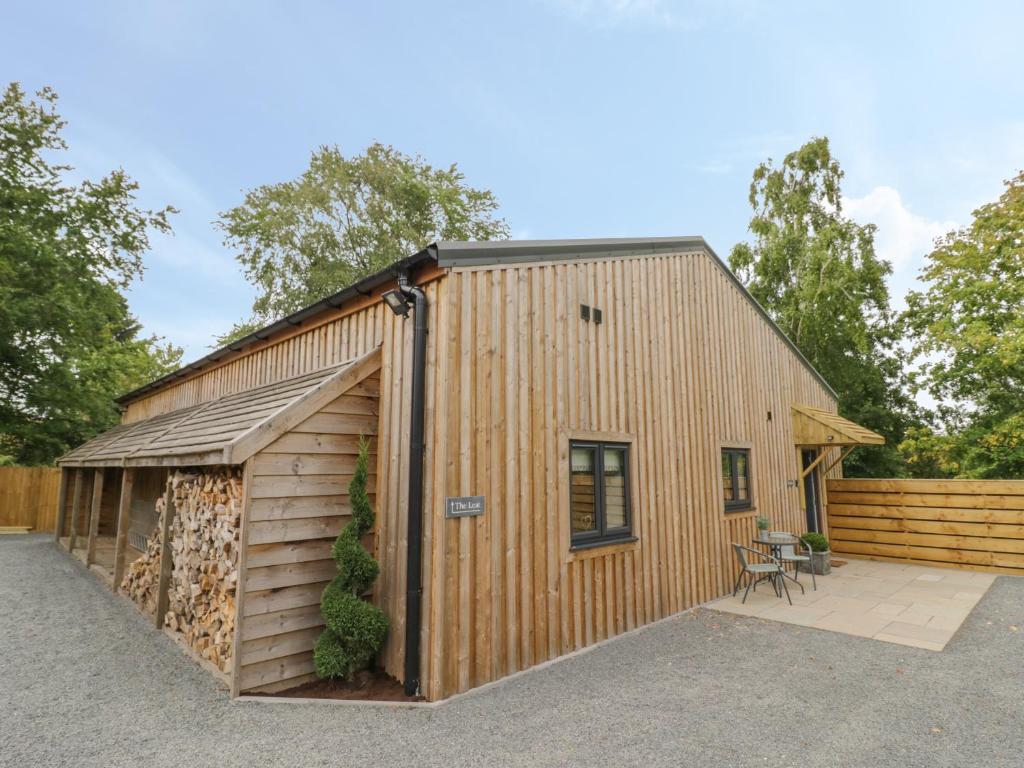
<point>775,542</point>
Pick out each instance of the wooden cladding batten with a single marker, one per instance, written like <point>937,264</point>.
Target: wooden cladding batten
<point>681,364</point>
<point>296,505</point>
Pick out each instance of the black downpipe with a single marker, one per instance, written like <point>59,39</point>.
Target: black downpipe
<point>414,546</point>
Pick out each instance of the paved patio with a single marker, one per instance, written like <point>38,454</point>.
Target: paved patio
<point>907,604</point>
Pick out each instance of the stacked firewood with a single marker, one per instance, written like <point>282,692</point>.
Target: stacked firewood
<point>143,575</point>
<point>204,541</point>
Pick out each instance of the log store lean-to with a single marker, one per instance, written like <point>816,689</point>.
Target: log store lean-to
<point>214,504</point>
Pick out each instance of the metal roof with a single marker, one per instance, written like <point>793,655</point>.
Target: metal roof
<point>226,430</point>
<point>487,253</point>
<point>465,254</point>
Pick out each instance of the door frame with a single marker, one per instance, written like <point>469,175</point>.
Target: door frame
<point>810,493</point>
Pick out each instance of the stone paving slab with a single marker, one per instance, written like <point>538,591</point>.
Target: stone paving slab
<point>913,605</point>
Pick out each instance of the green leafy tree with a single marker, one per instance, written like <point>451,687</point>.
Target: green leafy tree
<point>930,454</point>
<point>68,344</point>
<point>968,330</point>
<point>355,628</point>
<point>817,274</point>
<point>344,218</point>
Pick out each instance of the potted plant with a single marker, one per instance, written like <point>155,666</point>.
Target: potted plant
<point>762,526</point>
<point>821,562</point>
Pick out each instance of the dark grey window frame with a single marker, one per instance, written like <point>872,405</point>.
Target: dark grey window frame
<point>603,535</point>
<point>739,505</point>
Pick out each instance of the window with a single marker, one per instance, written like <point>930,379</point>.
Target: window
<point>736,479</point>
<point>599,493</point>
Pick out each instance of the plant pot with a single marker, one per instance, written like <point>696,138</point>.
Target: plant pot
<point>821,563</point>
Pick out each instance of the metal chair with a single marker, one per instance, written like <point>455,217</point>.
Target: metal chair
<point>756,571</point>
<point>788,554</point>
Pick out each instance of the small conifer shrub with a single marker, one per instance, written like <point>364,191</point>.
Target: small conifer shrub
<point>355,628</point>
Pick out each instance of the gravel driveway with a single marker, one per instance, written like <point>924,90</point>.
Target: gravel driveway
<point>86,681</point>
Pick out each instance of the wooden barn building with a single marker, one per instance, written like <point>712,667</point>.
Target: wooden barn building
<point>566,437</point>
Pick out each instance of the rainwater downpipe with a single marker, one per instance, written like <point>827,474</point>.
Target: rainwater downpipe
<point>414,546</point>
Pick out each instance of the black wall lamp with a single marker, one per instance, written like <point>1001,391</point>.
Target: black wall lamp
<point>397,302</point>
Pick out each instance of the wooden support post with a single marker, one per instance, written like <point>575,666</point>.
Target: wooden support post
<point>76,501</point>
<point>62,503</point>
<point>165,556</point>
<point>124,506</point>
<point>94,515</point>
<point>235,682</point>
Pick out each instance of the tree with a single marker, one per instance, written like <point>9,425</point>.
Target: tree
<point>68,344</point>
<point>345,218</point>
<point>967,326</point>
<point>355,628</point>
<point>817,274</point>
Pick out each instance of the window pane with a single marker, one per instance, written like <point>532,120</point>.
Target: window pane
<point>615,487</point>
<point>582,500</point>
<point>742,477</point>
<point>727,475</point>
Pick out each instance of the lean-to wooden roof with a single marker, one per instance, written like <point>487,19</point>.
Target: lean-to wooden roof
<point>813,426</point>
<point>227,430</point>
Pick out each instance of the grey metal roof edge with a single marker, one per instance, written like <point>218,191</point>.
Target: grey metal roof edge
<point>360,288</point>
<point>487,253</point>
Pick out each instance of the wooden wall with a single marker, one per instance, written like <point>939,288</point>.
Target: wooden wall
<point>149,485</point>
<point>28,497</point>
<point>681,366</point>
<point>297,504</point>
<point>964,523</point>
<point>324,340</point>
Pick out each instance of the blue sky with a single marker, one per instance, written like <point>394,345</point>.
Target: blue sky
<point>587,118</point>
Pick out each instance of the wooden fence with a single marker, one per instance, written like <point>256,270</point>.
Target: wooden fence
<point>975,524</point>
<point>28,497</point>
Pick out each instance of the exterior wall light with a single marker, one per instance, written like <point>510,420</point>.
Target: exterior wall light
<point>397,302</point>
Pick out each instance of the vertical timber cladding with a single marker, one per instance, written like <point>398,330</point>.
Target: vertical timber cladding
<point>320,346</point>
<point>682,364</point>
<point>297,504</point>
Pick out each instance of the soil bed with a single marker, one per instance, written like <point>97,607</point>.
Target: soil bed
<point>367,686</point>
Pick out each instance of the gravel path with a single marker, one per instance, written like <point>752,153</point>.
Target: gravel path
<point>86,681</point>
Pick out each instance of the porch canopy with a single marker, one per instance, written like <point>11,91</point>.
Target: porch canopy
<point>227,430</point>
<point>816,428</point>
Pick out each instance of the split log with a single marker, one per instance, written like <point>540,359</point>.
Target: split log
<point>204,551</point>
<point>142,576</point>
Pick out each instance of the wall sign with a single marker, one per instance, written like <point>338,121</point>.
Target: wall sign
<point>463,506</point>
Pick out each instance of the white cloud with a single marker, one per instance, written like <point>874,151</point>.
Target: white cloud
<point>904,238</point>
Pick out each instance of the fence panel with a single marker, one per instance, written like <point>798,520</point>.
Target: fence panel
<point>28,497</point>
<point>975,524</point>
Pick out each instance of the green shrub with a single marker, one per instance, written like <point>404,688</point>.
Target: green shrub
<point>815,541</point>
<point>355,628</point>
